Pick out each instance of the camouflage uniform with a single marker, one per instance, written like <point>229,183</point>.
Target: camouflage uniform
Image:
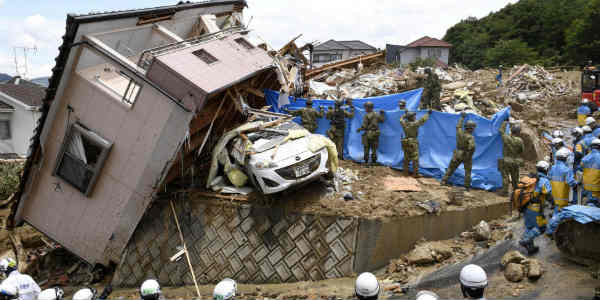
<point>308,115</point>
<point>370,125</point>
<point>338,117</point>
<point>431,97</point>
<point>410,143</point>
<point>512,149</point>
<point>465,148</point>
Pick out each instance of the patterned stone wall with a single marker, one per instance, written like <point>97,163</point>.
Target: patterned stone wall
<point>249,244</point>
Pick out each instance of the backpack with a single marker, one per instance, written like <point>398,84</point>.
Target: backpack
<point>524,192</point>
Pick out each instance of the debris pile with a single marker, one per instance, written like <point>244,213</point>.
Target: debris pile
<point>517,267</point>
<point>534,82</point>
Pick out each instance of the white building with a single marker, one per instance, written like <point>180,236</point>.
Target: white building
<point>425,47</point>
<point>20,103</point>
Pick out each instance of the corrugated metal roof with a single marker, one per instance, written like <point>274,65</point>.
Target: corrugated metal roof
<point>429,42</point>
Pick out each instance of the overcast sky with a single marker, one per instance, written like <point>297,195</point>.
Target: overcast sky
<point>41,23</point>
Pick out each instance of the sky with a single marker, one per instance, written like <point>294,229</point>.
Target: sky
<point>40,24</point>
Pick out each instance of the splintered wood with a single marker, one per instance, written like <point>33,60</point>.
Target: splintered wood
<point>404,184</point>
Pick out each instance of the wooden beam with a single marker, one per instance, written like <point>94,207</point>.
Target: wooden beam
<point>343,63</point>
<point>255,92</point>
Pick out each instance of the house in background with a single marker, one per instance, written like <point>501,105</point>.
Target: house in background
<point>339,50</point>
<point>425,47</point>
<point>20,103</point>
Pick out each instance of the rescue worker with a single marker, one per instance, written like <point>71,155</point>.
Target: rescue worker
<point>51,294</point>
<point>150,290</point>
<point>590,121</point>
<point>558,134</point>
<point>366,287</point>
<point>591,174</point>
<point>562,179</point>
<point>225,290</point>
<point>85,294</point>
<point>338,117</point>
<point>27,288</point>
<point>579,149</point>
<point>309,115</point>
<point>534,218</point>
<point>402,105</point>
<point>410,142</point>
<point>512,150</point>
<point>587,138</point>
<point>473,281</point>
<point>583,111</point>
<point>465,148</point>
<point>499,77</point>
<point>427,295</point>
<point>8,292</point>
<point>370,125</point>
<point>433,88</point>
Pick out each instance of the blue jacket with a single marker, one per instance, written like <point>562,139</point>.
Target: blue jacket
<point>561,178</point>
<point>591,171</point>
<point>582,113</point>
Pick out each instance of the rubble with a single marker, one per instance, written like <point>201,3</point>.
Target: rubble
<point>534,268</point>
<point>482,231</point>
<point>428,253</point>
<point>514,272</point>
<point>512,257</point>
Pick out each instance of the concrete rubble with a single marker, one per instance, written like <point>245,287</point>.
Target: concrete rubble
<point>517,267</point>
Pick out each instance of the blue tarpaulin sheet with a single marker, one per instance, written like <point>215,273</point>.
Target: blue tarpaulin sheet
<point>579,213</point>
<point>437,138</point>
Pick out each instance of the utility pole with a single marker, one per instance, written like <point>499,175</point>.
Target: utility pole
<point>22,70</point>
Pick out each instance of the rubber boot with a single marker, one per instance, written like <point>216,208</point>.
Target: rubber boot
<point>366,158</point>
<point>405,168</point>
<point>373,159</point>
<point>531,248</point>
<point>416,169</point>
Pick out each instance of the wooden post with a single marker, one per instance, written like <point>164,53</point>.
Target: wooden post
<point>187,256</point>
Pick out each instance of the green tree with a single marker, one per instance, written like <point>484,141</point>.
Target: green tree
<point>583,36</point>
<point>509,53</point>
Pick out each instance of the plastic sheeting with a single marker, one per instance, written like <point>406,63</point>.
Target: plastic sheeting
<point>437,137</point>
<point>579,213</point>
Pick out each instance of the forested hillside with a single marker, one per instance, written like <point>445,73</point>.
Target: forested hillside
<point>548,32</point>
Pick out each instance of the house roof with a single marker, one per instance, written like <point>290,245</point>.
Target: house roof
<point>68,38</point>
<point>344,45</point>
<point>4,105</point>
<point>24,91</point>
<point>428,42</point>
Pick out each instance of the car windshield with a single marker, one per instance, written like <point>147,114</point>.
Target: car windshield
<point>266,139</point>
<point>589,82</point>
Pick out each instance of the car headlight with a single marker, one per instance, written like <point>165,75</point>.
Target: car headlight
<point>265,165</point>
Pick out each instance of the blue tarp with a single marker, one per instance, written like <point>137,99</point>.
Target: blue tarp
<point>579,213</point>
<point>437,137</point>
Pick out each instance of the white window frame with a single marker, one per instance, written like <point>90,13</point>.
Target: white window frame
<point>131,92</point>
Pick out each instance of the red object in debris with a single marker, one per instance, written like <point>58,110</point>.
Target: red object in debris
<point>590,85</point>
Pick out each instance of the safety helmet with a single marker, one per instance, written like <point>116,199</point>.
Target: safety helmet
<point>309,102</point>
<point>427,295</point>
<point>585,100</point>
<point>8,291</point>
<point>557,134</point>
<point>366,286</point>
<point>515,129</point>
<point>85,294</point>
<point>577,131</point>
<point>557,141</point>
<point>8,265</point>
<point>225,289</point>
<point>595,144</point>
<point>586,129</point>
<point>562,154</point>
<point>339,102</point>
<point>542,166</point>
<point>470,125</point>
<point>473,281</point>
<point>411,115</point>
<point>369,104</point>
<point>150,289</point>
<point>55,293</point>
<point>589,121</point>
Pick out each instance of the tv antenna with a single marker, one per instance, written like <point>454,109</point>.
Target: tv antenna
<point>21,62</point>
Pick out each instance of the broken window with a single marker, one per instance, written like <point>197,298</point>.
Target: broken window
<point>205,56</point>
<point>244,43</point>
<point>4,130</point>
<point>82,155</point>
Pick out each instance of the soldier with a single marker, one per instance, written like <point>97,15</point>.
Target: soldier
<point>308,114</point>
<point>410,143</point>
<point>512,149</point>
<point>465,148</point>
<point>431,98</point>
<point>338,117</point>
<point>402,105</point>
<point>370,125</point>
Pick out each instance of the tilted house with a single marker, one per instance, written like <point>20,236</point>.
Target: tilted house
<point>130,101</point>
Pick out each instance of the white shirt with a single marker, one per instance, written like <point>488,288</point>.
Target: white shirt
<point>27,288</point>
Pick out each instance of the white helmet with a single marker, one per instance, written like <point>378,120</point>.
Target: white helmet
<point>7,265</point>
<point>557,134</point>
<point>556,141</point>
<point>225,289</point>
<point>427,295</point>
<point>542,165</point>
<point>150,289</point>
<point>562,153</point>
<point>366,286</point>
<point>595,143</point>
<point>84,294</point>
<point>8,291</point>
<point>473,281</point>
<point>51,294</point>
<point>586,129</point>
<point>585,100</point>
<point>578,131</point>
<point>589,121</point>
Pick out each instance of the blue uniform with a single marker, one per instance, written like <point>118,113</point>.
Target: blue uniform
<point>591,177</point>
<point>534,217</point>
<point>587,142</point>
<point>562,180</point>
<point>596,132</point>
<point>582,113</point>
<point>579,151</point>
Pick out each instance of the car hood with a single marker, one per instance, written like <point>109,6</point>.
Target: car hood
<point>286,150</point>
